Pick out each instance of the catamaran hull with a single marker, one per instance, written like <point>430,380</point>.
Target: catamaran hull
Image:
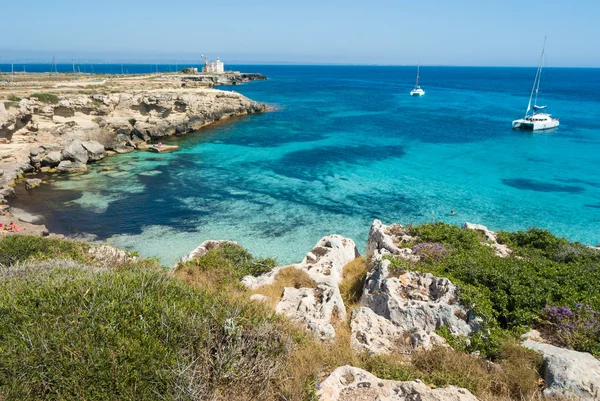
<point>417,92</point>
<point>535,126</point>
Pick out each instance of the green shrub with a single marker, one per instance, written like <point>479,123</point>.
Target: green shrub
<point>73,332</point>
<point>227,264</point>
<point>511,293</point>
<point>20,248</point>
<point>14,98</point>
<point>46,98</point>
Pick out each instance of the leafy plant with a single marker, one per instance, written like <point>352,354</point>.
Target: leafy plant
<point>48,98</point>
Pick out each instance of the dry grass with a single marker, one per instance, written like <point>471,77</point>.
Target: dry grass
<point>515,377</point>
<point>353,280</point>
<point>286,277</point>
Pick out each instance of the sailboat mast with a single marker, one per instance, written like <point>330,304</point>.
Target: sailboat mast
<point>536,81</point>
<point>418,68</point>
<point>540,74</point>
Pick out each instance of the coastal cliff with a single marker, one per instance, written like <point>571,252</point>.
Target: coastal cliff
<point>66,128</point>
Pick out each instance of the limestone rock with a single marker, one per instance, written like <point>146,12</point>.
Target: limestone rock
<point>417,303</point>
<point>260,298</point>
<point>373,333</point>
<point>568,373</point>
<point>383,241</point>
<point>316,308</point>
<point>95,150</point>
<point>32,183</point>
<point>348,383</point>
<point>491,239</point>
<point>52,159</point>
<point>204,247</point>
<point>27,217</point>
<point>75,152</point>
<point>70,167</point>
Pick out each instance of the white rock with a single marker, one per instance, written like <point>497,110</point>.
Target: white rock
<point>260,298</point>
<point>315,308</point>
<point>568,373</point>
<point>348,383</point>
<point>373,333</point>
<point>94,149</point>
<point>492,240</point>
<point>417,304</point>
<point>382,241</point>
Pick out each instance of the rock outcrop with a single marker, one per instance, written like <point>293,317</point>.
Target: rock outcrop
<point>416,304</point>
<point>80,128</point>
<point>568,374</point>
<point>402,309</point>
<point>316,308</point>
<point>348,383</point>
<point>384,240</point>
<point>490,239</point>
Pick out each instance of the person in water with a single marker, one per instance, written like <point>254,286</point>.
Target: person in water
<point>452,212</point>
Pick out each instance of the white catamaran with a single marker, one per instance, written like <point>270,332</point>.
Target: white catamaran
<point>417,91</point>
<point>538,120</point>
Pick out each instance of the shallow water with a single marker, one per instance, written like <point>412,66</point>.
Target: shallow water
<point>347,145</point>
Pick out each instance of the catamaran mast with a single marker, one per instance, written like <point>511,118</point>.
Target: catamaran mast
<point>536,82</point>
<point>417,83</point>
<point>540,75</point>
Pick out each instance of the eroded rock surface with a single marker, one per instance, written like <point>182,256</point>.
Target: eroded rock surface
<point>417,304</point>
<point>316,308</point>
<point>567,373</point>
<point>384,240</point>
<point>348,383</point>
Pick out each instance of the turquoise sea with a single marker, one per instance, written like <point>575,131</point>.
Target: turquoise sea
<point>346,145</point>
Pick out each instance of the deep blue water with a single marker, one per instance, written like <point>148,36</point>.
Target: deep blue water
<point>344,146</point>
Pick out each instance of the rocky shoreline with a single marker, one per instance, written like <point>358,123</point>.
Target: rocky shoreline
<point>62,130</point>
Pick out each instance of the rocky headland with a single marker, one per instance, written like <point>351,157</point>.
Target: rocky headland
<point>63,127</point>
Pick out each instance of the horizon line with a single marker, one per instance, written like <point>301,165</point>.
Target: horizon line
<point>283,63</point>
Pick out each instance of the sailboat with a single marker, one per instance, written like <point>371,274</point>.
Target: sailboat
<point>417,91</point>
<point>538,120</point>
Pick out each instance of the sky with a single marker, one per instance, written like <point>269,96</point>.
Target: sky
<point>386,32</point>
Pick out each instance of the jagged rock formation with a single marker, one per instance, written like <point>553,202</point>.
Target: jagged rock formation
<point>567,373</point>
<point>316,308</point>
<point>348,383</point>
<point>402,310</point>
<point>384,240</point>
<point>491,239</point>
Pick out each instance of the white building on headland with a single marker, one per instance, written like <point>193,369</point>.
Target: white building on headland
<point>213,66</point>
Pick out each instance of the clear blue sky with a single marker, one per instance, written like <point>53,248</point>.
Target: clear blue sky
<point>440,32</point>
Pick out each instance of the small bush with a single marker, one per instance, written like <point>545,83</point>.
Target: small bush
<point>48,98</point>
<point>430,251</point>
<point>224,266</point>
<point>14,98</point>
<point>577,328</point>
<point>353,280</point>
<point>20,248</point>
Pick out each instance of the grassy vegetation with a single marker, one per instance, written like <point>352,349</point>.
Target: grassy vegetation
<point>72,328</point>
<point>46,98</point>
<point>512,293</point>
<point>14,98</point>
